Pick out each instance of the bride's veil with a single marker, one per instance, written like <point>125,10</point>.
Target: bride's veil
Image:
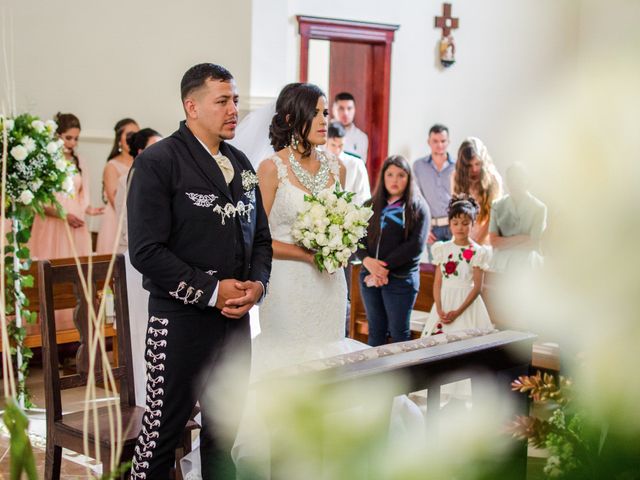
<point>252,134</point>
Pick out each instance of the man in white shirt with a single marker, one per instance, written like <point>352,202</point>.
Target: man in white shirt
<point>356,142</point>
<point>357,180</point>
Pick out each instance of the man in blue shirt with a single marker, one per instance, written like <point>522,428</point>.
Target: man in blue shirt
<point>433,174</point>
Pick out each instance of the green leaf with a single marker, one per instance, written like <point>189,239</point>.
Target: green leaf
<point>23,253</point>
<point>20,450</point>
<point>24,235</point>
<point>28,281</point>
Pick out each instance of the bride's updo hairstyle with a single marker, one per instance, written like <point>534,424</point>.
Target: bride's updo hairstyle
<point>295,110</point>
<point>461,205</point>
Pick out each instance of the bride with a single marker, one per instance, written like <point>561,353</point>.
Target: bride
<point>302,317</point>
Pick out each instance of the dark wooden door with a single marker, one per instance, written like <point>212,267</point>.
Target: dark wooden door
<point>350,70</point>
<point>360,63</point>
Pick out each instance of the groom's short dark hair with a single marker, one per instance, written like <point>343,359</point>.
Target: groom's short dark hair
<point>198,75</point>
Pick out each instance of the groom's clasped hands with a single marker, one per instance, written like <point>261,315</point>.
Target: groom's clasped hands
<point>235,298</point>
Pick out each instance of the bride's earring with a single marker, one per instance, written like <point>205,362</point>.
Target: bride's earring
<point>294,141</point>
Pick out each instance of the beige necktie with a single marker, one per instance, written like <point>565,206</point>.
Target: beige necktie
<point>225,165</point>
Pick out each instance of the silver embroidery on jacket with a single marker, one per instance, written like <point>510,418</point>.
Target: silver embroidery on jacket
<point>151,420</point>
<point>186,296</point>
<point>202,200</point>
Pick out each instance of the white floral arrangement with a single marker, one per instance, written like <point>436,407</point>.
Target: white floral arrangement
<point>36,167</point>
<point>249,180</point>
<point>331,225</point>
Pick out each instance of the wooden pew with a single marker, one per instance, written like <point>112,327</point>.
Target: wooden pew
<point>546,355</point>
<point>64,297</point>
<point>428,363</point>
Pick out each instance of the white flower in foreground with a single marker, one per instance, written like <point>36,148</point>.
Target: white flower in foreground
<point>29,143</point>
<point>19,152</point>
<point>51,125</point>
<point>61,164</point>
<point>35,185</point>
<point>38,126</point>
<point>26,197</point>
<point>67,185</point>
<point>52,147</point>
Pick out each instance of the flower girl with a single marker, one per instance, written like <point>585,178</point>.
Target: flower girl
<point>460,265</point>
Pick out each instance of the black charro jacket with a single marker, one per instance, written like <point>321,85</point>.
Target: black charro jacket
<point>187,228</point>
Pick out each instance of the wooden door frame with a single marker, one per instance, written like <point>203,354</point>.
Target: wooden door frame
<point>380,36</point>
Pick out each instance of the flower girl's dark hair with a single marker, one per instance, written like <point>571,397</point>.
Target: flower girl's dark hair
<point>67,121</point>
<point>463,204</point>
<point>295,110</point>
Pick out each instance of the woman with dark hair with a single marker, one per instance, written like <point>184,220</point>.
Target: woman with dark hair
<point>302,317</point>
<point>48,235</point>
<point>396,237</point>
<point>137,142</point>
<point>118,164</point>
<point>476,175</point>
<point>138,296</point>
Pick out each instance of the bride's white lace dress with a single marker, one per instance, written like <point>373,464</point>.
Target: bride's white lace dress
<point>302,317</point>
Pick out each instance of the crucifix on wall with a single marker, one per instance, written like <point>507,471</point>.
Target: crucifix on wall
<point>447,45</point>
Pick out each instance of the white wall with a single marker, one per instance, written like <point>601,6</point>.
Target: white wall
<point>506,51</point>
<point>104,61</point>
<point>108,60</point>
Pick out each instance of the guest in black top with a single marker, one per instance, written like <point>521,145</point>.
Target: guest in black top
<point>397,234</point>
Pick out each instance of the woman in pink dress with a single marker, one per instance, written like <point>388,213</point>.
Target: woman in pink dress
<point>118,164</point>
<point>48,235</point>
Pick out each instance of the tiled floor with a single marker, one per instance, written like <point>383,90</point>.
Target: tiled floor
<point>74,466</point>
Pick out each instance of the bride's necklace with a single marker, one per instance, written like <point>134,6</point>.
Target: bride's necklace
<point>314,183</point>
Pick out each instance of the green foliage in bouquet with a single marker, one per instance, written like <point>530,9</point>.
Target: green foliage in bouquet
<point>35,171</point>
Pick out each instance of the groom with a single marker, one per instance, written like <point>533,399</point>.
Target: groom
<point>199,235</point>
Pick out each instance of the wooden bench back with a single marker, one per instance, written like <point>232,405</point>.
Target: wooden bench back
<point>64,274</point>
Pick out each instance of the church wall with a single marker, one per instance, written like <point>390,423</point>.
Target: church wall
<point>108,60</point>
<point>506,52</point>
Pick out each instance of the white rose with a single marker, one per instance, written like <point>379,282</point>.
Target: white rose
<point>329,265</point>
<point>67,185</point>
<point>25,197</point>
<point>307,243</point>
<point>326,251</point>
<point>51,125</point>
<point>35,185</point>
<point>322,240</point>
<point>334,230</point>
<point>29,143</point>
<point>19,152</point>
<point>342,205</point>
<point>52,147</point>
<point>38,126</point>
<point>317,212</point>
<point>61,164</point>
<point>336,241</point>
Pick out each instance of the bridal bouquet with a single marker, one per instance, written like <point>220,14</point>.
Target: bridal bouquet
<point>331,225</point>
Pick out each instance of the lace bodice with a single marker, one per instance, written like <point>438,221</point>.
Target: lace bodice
<point>289,199</point>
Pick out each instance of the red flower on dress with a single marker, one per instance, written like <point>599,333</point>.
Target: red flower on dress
<point>450,267</point>
<point>467,253</point>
